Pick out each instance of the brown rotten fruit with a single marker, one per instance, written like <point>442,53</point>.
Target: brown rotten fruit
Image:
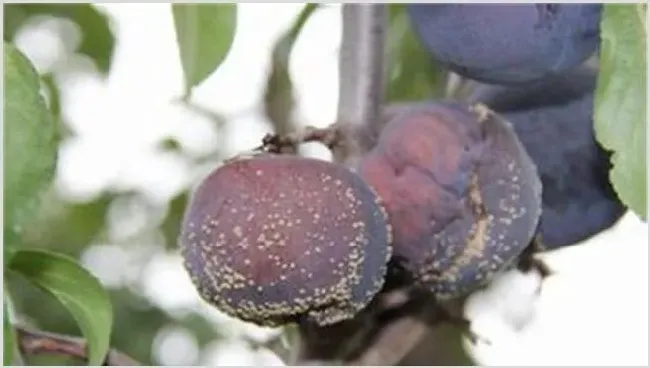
<point>462,194</point>
<point>279,239</point>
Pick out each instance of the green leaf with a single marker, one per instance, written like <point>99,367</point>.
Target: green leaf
<point>97,39</point>
<point>278,94</point>
<point>29,145</point>
<point>204,33</point>
<point>77,289</point>
<point>171,225</point>
<point>621,100</point>
<point>412,74</point>
<point>68,227</point>
<point>9,335</point>
<point>13,19</point>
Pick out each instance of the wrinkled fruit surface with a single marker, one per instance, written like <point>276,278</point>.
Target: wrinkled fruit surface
<point>278,239</point>
<point>461,193</point>
<point>554,121</point>
<point>506,44</point>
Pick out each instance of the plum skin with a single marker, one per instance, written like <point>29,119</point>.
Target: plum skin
<point>554,120</point>
<point>280,239</point>
<point>462,195</point>
<point>507,44</point>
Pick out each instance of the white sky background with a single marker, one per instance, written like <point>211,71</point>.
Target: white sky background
<point>593,311</point>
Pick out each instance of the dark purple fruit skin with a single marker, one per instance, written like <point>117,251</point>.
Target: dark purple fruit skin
<point>280,239</point>
<point>507,44</point>
<point>554,120</point>
<point>462,195</point>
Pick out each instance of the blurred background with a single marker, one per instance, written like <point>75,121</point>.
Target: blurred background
<point>131,148</point>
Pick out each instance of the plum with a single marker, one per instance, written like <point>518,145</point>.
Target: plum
<point>554,121</point>
<point>276,239</point>
<point>507,44</point>
<point>462,195</point>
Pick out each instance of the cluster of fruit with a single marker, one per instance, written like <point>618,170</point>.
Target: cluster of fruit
<point>452,193</point>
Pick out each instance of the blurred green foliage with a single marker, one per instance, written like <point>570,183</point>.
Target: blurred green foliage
<point>28,143</point>
<point>9,338</point>
<point>31,155</point>
<point>279,96</point>
<point>72,227</point>
<point>412,75</point>
<point>97,38</point>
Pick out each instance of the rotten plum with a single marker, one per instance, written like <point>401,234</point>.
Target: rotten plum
<point>275,239</point>
<point>461,193</point>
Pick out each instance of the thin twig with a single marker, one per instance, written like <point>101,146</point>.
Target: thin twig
<point>331,136</point>
<point>32,342</point>
<point>288,143</point>
<point>394,342</point>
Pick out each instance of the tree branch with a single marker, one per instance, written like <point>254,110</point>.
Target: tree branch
<point>32,342</point>
<point>329,136</point>
<point>393,342</point>
<point>361,74</point>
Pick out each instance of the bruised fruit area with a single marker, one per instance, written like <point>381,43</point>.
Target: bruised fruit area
<point>462,194</point>
<point>280,239</point>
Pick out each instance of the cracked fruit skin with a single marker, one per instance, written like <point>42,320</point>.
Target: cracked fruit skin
<point>554,121</point>
<point>279,239</point>
<point>462,194</point>
<point>507,44</point>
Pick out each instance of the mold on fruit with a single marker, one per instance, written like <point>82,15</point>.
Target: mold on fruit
<point>462,194</point>
<point>276,239</point>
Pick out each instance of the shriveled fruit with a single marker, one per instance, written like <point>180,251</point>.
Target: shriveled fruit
<point>279,239</point>
<point>462,194</point>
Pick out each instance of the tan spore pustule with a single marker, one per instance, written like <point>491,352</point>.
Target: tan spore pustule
<point>278,239</point>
